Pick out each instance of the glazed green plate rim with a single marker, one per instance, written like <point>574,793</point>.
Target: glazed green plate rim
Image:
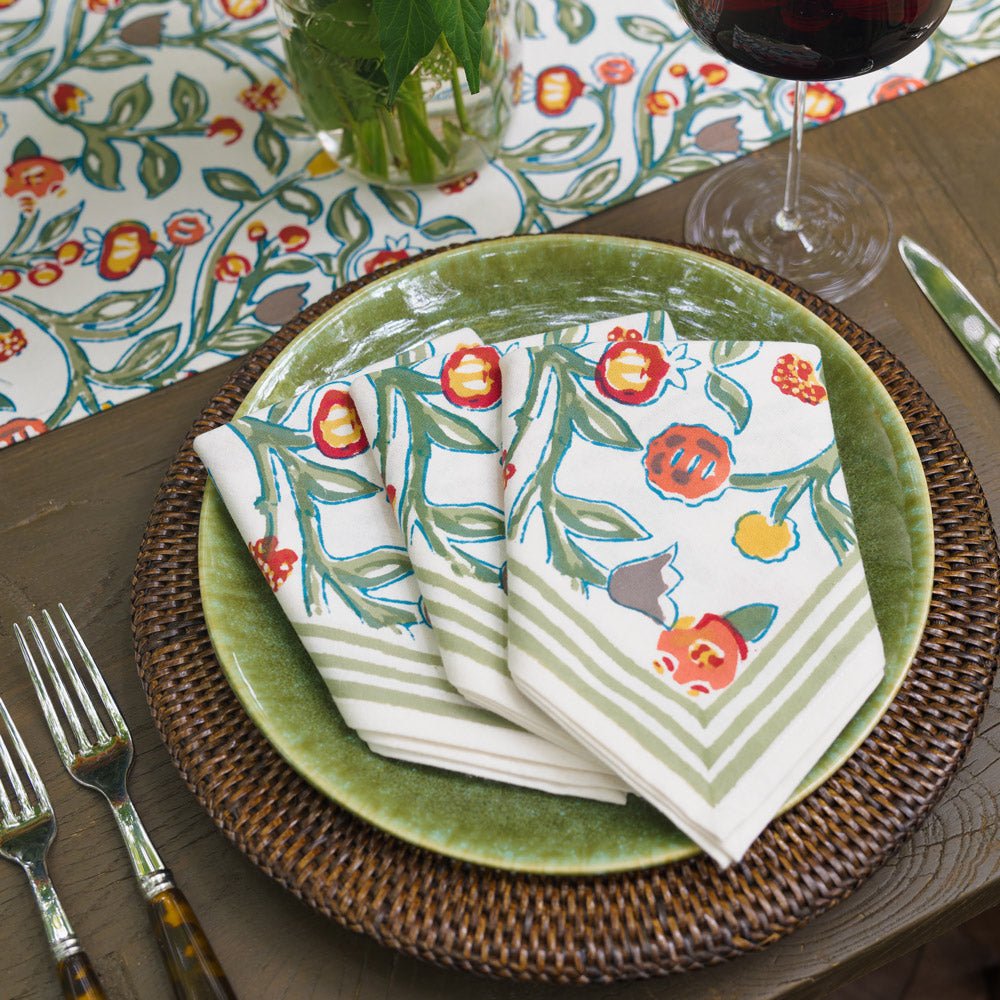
<point>920,531</point>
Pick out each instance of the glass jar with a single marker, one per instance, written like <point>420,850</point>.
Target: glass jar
<point>437,130</point>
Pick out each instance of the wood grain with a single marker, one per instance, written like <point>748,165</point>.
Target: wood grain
<point>74,505</point>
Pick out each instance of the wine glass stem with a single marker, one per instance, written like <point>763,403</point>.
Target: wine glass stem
<point>788,219</point>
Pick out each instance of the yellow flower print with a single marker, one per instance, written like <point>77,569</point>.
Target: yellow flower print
<point>758,538</point>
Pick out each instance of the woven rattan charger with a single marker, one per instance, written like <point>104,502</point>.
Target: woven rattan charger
<point>577,929</point>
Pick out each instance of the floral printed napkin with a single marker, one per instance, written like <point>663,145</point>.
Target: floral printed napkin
<point>302,487</point>
<point>435,428</point>
<point>685,589</point>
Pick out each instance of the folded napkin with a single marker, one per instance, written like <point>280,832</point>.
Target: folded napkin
<point>303,489</point>
<point>435,428</point>
<point>685,590</point>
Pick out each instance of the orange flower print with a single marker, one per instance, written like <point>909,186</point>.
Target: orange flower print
<point>12,342</point>
<point>102,6</point>
<point>614,70</point>
<point>228,127</point>
<point>69,99</point>
<point>661,102</point>
<point>704,656</point>
<point>263,96</point>
<point>186,228</point>
<point>231,267</point>
<point>336,427</point>
<point>677,69</point>
<point>713,74</point>
<point>44,274</point>
<point>34,177</point>
<point>242,10</point>
<point>69,252</point>
<point>293,237</point>
<point>688,462</point>
<point>454,187</point>
<point>796,377</point>
<point>20,429</point>
<point>124,247</point>
<point>9,280</point>
<point>822,104</point>
<point>897,86</point>
<point>556,89</point>
<point>470,378</point>
<point>276,564</point>
<point>630,371</point>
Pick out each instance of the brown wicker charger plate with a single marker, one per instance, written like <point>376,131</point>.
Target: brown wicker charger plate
<point>577,929</point>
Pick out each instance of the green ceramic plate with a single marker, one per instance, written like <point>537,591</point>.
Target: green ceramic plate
<point>516,286</point>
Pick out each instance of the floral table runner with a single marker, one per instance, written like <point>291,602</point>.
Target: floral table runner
<point>164,207</point>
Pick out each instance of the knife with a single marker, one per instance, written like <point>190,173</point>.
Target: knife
<point>977,332</point>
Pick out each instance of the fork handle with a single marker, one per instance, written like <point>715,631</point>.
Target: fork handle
<point>194,970</point>
<point>78,978</point>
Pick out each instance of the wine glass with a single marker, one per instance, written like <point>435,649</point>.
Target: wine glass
<point>825,228</point>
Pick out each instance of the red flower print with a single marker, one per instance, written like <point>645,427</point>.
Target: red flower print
<point>256,231</point>
<point>44,274</point>
<point>661,102</point>
<point>124,247</point>
<point>228,127</point>
<point>822,104</point>
<point>797,377</point>
<point>242,10</point>
<point>556,88</point>
<point>231,267</point>
<point>615,70</point>
<point>453,187</point>
<point>470,378</point>
<point>34,176</point>
<point>276,564</point>
<point>630,371</point>
<point>20,429</point>
<point>384,257</point>
<point>68,99</point>
<point>336,427</point>
<point>263,96</point>
<point>390,494</point>
<point>9,280</point>
<point>102,6</point>
<point>713,74</point>
<point>509,471</point>
<point>187,228</point>
<point>69,252</point>
<point>12,342</point>
<point>620,333</point>
<point>293,237</point>
<point>897,86</point>
<point>688,462</point>
<point>704,656</point>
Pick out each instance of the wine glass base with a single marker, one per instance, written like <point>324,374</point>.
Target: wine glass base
<point>846,232</point>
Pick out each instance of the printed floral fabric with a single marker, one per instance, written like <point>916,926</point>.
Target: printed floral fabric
<point>686,595</point>
<point>302,485</point>
<point>164,207</point>
<point>435,428</point>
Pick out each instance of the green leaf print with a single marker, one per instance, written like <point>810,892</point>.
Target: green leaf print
<point>575,19</point>
<point>58,227</point>
<point>302,202</point>
<point>144,358</point>
<point>752,620</point>
<point>101,163</point>
<point>270,147</point>
<point>476,523</point>
<point>6,403</point>
<point>445,227</point>
<point>730,397</point>
<point>188,99</point>
<point>25,148</point>
<point>230,184</point>
<point>600,424</point>
<point>403,206</point>
<point>129,106</point>
<point>25,71</point>
<point>159,167</point>
<point>101,59</point>
<point>596,519</point>
<point>647,29</point>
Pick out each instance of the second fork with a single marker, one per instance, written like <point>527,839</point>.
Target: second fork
<point>101,761</point>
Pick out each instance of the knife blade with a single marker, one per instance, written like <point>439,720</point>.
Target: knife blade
<point>974,328</point>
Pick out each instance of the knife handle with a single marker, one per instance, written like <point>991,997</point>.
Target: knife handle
<point>194,970</point>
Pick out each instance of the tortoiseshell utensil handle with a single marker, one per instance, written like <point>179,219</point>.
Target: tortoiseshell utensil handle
<point>78,979</point>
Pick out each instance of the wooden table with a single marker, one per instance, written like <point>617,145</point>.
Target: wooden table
<point>72,509</point>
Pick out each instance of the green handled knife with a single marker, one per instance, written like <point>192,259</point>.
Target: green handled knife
<point>977,332</point>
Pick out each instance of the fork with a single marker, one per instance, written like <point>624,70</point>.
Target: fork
<point>101,760</point>
<point>26,830</point>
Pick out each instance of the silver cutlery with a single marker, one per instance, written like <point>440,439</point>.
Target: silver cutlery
<point>98,754</point>
<point>27,829</point>
<point>971,324</point>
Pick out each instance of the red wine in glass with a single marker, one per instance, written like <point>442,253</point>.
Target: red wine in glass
<point>831,232</point>
<point>813,39</point>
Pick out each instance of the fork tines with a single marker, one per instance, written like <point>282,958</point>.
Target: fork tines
<point>12,816</point>
<point>65,700</point>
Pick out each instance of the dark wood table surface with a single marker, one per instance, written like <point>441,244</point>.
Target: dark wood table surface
<point>73,505</point>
